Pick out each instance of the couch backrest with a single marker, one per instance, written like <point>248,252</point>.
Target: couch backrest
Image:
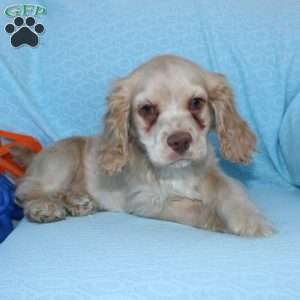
<point>58,88</point>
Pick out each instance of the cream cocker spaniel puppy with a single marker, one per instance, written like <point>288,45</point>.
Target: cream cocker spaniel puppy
<point>154,158</point>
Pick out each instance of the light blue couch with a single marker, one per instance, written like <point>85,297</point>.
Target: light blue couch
<point>58,88</point>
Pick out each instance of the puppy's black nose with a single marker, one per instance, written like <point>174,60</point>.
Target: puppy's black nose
<point>179,141</point>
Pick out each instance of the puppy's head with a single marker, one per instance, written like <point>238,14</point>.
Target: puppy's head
<point>169,104</point>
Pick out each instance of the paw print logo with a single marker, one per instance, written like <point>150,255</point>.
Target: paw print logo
<point>24,33</point>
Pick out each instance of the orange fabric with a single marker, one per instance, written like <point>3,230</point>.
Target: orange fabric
<point>7,163</point>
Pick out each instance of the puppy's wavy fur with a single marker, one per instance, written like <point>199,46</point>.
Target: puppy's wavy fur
<point>134,167</point>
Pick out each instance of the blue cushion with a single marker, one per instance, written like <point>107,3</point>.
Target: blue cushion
<point>289,139</point>
<point>58,89</point>
<point>117,256</point>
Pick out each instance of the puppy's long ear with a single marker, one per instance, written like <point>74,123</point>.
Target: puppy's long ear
<point>236,139</point>
<point>114,143</point>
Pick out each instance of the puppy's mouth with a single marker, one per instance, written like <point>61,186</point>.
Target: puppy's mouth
<point>180,163</point>
<point>178,160</point>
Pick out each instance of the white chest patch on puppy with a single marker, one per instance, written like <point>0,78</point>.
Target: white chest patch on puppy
<point>179,182</point>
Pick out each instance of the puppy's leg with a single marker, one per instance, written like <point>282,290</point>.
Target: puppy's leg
<point>77,200</point>
<point>48,180</point>
<point>235,215</point>
<point>40,203</point>
<point>45,209</point>
<point>192,212</point>
<point>79,205</point>
<point>225,208</point>
<point>146,202</point>
<point>232,205</point>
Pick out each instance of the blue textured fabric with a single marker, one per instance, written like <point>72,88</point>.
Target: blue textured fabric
<point>58,89</point>
<point>116,256</point>
<point>289,139</point>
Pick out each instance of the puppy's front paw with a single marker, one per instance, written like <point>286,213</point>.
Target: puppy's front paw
<point>44,211</point>
<point>250,225</point>
<point>80,206</point>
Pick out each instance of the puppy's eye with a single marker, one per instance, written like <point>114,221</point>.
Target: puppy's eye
<point>196,104</point>
<point>148,111</point>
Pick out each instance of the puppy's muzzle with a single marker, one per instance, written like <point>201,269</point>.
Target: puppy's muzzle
<point>179,142</point>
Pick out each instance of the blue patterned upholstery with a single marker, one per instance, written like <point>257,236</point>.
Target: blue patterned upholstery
<point>58,89</point>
